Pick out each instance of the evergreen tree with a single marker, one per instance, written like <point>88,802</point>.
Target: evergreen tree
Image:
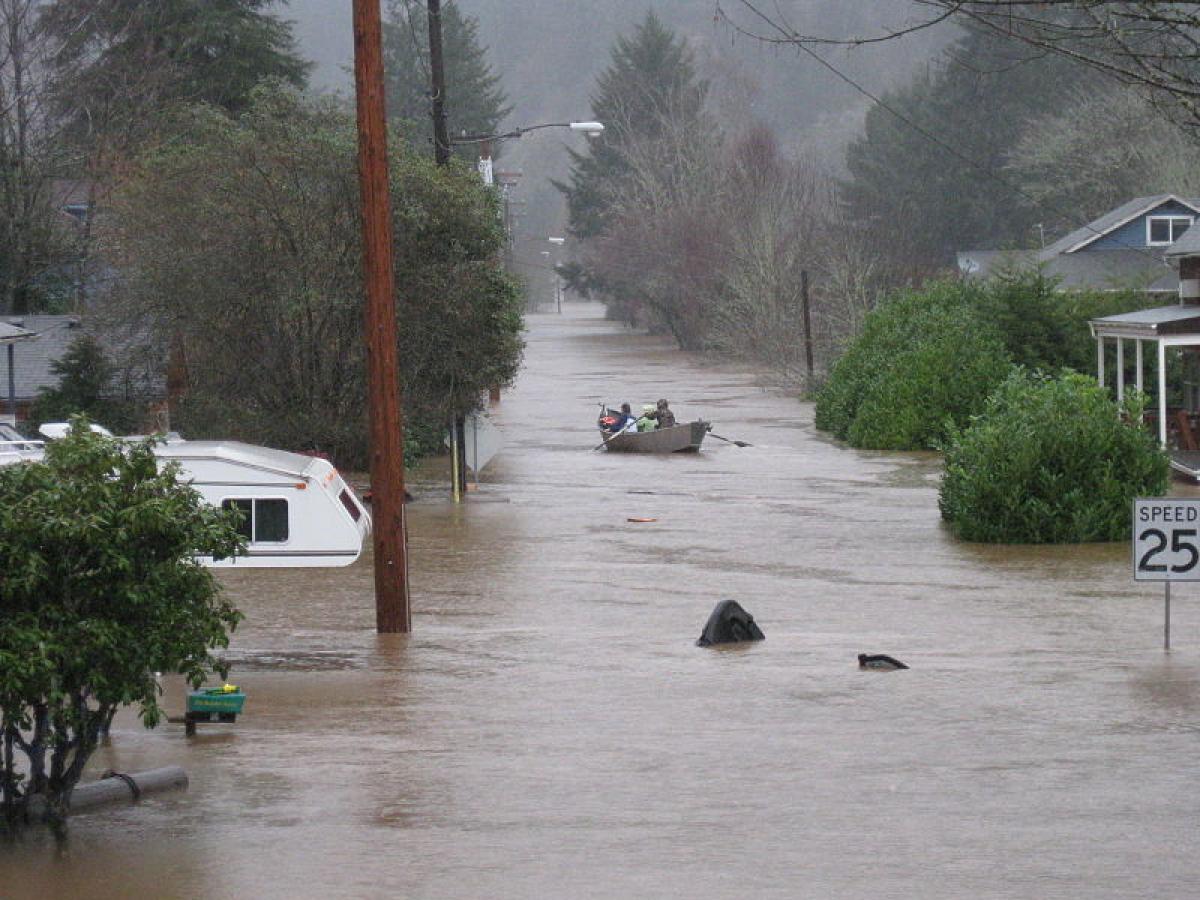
<point>475,104</point>
<point>85,386</point>
<point>649,87</point>
<point>977,102</point>
<point>119,63</point>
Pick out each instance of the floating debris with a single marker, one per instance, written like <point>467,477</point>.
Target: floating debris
<point>729,624</point>
<point>879,662</point>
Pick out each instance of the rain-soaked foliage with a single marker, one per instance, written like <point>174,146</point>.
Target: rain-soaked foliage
<point>924,360</point>
<point>1050,460</point>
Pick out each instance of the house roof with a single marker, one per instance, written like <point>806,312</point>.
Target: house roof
<point>1188,245</point>
<point>1129,269</point>
<point>1098,228</point>
<point>1159,321</point>
<point>10,334</point>
<point>32,358</point>
<point>1114,270</point>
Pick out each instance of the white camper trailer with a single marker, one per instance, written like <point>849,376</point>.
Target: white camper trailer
<point>297,510</point>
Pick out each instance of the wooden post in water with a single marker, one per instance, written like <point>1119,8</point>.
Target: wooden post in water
<point>808,343</point>
<point>387,425</point>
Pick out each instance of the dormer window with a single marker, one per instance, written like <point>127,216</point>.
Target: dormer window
<point>1162,231</point>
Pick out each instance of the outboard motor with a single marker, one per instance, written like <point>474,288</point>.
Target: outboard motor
<point>729,624</point>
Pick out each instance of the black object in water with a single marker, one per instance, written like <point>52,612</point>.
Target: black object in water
<point>729,624</point>
<point>880,661</point>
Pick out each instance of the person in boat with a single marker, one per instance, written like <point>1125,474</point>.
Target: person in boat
<point>648,419</point>
<point>627,421</point>
<point>616,422</point>
<point>663,415</point>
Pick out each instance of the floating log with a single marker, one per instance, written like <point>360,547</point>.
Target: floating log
<point>879,662</point>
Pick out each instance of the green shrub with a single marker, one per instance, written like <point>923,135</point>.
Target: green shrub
<point>1050,460</point>
<point>1045,328</point>
<point>924,359</point>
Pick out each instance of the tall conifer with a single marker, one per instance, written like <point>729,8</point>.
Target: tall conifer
<point>475,103</point>
<point>651,80</point>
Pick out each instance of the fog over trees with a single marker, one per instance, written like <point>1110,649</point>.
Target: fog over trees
<point>765,177</point>
<point>548,54</point>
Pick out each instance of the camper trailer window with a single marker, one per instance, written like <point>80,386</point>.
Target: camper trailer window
<point>271,520</point>
<point>263,520</point>
<point>351,506</point>
<point>246,508</point>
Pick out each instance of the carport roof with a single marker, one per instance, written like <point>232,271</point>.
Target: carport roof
<point>10,333</point>
<point>1160,321</point>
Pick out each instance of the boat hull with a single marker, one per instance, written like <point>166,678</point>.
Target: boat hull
<point>684,438</point>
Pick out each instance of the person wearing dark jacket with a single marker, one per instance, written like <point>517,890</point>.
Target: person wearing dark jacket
<point>663,415</point>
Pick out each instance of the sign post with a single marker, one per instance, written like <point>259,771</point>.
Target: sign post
<point>1166,546</point>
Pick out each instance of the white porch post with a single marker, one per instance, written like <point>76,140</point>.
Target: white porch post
<point>1138,344</point>
<point>1162,394</point>
<point>1100,360</point>
<point>1120,369</point>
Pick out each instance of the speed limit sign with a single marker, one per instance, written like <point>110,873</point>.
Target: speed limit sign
<point>1166,539</point>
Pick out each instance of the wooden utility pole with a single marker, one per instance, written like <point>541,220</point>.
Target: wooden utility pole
<point>808,341</point>
<point>388,531</point>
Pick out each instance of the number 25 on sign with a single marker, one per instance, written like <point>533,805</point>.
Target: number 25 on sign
<point>1166,539</point>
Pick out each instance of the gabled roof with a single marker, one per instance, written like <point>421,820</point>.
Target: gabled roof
<point>1111,221</point>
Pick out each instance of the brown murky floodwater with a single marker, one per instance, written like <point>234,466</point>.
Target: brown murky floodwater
<point>550,730</point>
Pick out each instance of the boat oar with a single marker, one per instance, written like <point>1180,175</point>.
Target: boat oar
<point>728,441</point>
<point>604,443</point>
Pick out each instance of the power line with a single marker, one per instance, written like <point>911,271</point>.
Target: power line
<point>987,170</point>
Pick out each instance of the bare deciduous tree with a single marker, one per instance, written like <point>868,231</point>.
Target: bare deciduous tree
<point>1150,44</point>
<point>31,158</point>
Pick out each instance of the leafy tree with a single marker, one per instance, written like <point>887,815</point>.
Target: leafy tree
<point>85,82</point>
<point>85,387</point>
<point>1050,461</point>
<point>937,167</point>
<point>925,359</point>
<point>475,103</point>
<point>100,591</point>
<point>243,241</point>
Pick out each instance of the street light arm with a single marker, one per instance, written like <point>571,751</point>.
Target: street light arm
<point>591,129</point>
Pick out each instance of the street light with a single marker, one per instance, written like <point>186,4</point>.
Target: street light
<point>591,129</point>
<point>484,141</point>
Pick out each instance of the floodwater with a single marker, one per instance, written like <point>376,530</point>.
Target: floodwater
<point>550,730</point>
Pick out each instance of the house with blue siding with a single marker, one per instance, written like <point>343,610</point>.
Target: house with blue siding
<point>1125,249</point>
